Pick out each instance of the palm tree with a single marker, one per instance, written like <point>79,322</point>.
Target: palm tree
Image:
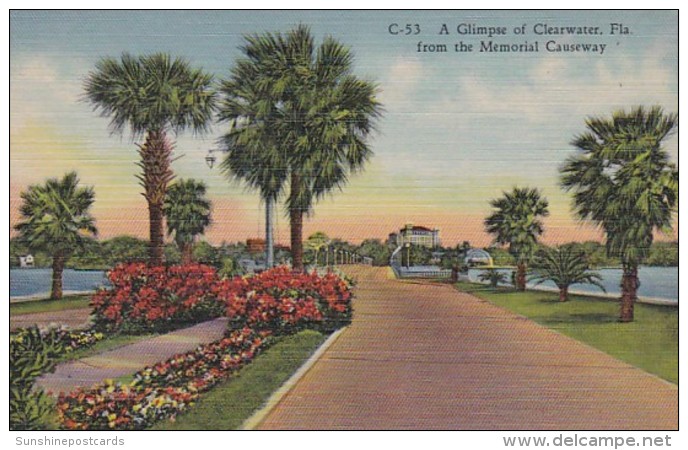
<point>316,113</point>
<point>56,219</point>
<point>516,221</point>
<point>564,266</point>
<point>316,242</point>
<point>623,182</point>
<point>252,155</point>
<point>152,95</point>
<point>188,214</point>
<point>493,276</point>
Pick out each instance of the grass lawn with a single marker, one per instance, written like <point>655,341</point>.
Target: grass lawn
<point>37,306</point>
<point>650,342</point>
<point>230,403</point>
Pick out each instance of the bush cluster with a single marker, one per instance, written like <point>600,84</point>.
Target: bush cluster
<point>156,298</point>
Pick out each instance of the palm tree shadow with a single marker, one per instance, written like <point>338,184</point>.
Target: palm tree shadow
<point>582,318</point>
<point>502,290</point>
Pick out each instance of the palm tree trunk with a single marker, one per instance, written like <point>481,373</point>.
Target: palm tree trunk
<point>156,161</point>
<point>296,222</point>
<point>269,240</point>
<point>521,276</point>
<point>629,292</point>
<point>563,293</point>
<point>59,260</point>
<point>156,244</point>
<point>187,253</point>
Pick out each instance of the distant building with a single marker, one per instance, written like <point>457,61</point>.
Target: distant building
<point>416,235</point>
<point>26,261</point>
<point>255,245</point>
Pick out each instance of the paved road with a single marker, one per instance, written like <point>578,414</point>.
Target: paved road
<point>420,356</point>
<point>130,358</point>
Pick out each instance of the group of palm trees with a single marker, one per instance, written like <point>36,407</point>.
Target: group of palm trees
<point>622,181</point>
<point>297,121</point>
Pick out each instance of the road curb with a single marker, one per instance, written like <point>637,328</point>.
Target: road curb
<point>257,418</point>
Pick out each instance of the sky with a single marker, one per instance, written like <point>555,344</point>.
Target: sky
<point>458,128</point>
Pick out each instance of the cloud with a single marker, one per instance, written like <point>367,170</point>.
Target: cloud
<point>43,88</point>
<point>401,82</point>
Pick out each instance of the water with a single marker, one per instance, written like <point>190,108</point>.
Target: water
<point>35,282</point>
<point>655,282</point>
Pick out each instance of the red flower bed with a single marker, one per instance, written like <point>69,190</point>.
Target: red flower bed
<point>281,301</point>
<point>274,302</point>
<point>145,298</point>
<point>158,392</point>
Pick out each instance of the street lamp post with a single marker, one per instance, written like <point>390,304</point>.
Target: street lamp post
<point>210,160</point>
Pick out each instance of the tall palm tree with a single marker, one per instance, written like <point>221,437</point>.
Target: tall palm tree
<point>622,180</point>
<point>252,154</point>
<point>564,266</point>
<point>317,113</point>
<point>56,219</point>
<point>152,95</point>
<point>188,214</point>
<point>516,221</point>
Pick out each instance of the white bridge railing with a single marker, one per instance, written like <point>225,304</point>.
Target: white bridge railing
<point>402,272</point>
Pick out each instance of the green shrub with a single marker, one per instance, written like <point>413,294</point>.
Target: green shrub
<point>231,268</point>
<point>32,353</point>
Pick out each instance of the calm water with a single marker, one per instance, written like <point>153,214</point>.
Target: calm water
<point>30,282</point>
<point>655,282</point>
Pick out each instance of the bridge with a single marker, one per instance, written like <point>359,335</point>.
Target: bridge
<point>474,257</point>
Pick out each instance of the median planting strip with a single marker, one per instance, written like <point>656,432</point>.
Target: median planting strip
<point>260,310</point>
<point>255,420</point>
<point>228,405</point>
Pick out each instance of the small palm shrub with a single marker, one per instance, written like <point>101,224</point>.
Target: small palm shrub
<point>493,276</point>
<point>564,266</point>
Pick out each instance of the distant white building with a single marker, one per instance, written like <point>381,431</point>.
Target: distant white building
<point>416,235</point>
<point>26,261</point>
